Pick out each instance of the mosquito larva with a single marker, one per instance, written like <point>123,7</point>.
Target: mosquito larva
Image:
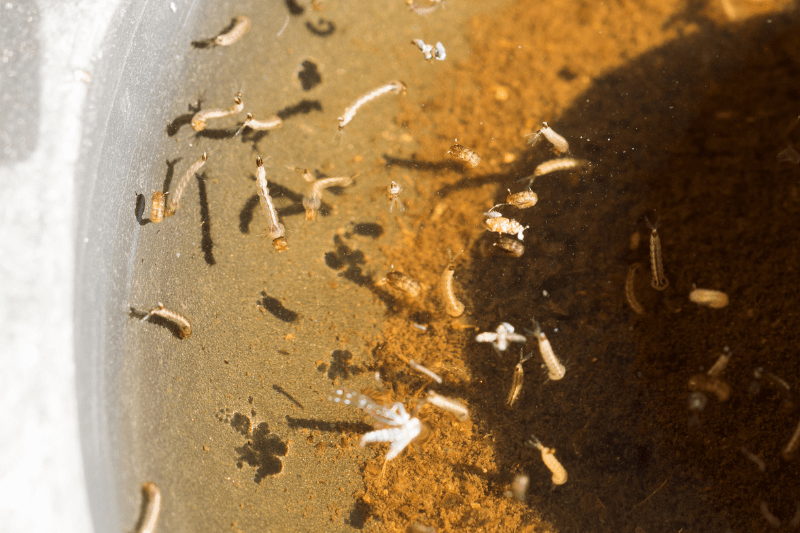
<point>550,461</point>
<point>709,298</point>
<point>464,154</point>
<point>519,487</point>
<point>559,143</point>
<point>313,201</point>
<point>184,327</point>
<point>394,191</point>
<point>400,281</point>
<point>275,229</point>
<point>260,125</point>
<point>240,27</point>
<point>516,382</point>
<point>555,368</point>
<point>510,246</point>
<point>452,305</point>
<point>791,448</point>
<point>199,120</point>
<point>454,407</point>
<point>711,384</point>
<point>157,207</point>
<point>497,223</point>
<point>396,87</point>
<point>428,372</point>
<point>756,459</point>
<point>660,282</point>
<point>523,199</point>
<point>175,199</point>
<point>771,518</point>
<point>630,294</point>
<point>152,507</point>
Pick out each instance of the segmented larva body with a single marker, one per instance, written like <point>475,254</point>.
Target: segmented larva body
<point>555,165</point>
<point>396,87</point>
<point>152,507</point>
<point>157,207</point>
<point>794,443</point>
<point>710,384</point>
<point>516,385</point>
<point>240,27</point>
<point>465,154</point>
<point>275,229</point>
<point>709,298</point>
<point>454,407</point>
<point>199,120</point>
<point>555,368</point>
<point>660,281</point>
<point>522,200</point>
<point>313,201</point>
<point>630,294</point>
<point>550,461</point>
<point>500,224</point>
<point>510,246</point>
<point>184,327</point>
<point>559,143</point>
<point>175,199</point>
<point>452,306</point>
<point>260,125</point>
<point>400,281</point>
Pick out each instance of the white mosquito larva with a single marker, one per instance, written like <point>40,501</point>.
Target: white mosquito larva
<point>426,49</point>
<point>501,337</point>
<point>555,369</point>
<point>555,165</point>
<point>152,507</point>
<point>175,199</point>
<point>275,229</point>
<point>240,27</point>
<point>440,53</point>
<point>260,125</point>
<point>523,199</point>
<point>721,363</point>
<point>184,327</point>
<point>710,384</point>
<point>550,461</point>
<point>157,207</point>
<point>452,305</point>
<point>756,459</point>
<point>313,201</point>
<point>497,223</point>
<point>454,407</point>
<point>660,281</point>
<point>199,120</point>
<point>519,487</point>
<point>510,246</point>
<point>630,294</point>
<point>771,518</point>
<point>559,143</point>
<point>789,155</point>
<point>709,298</point>
<point>794,443</point>
<point>428,372</point>
<point>396,87</point>
<point>464,154</point>
<point>394,191</point>
<point>401,282</point>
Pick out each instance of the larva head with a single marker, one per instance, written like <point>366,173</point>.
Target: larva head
<point>259,161</point>
<point>205,156</point>
<point>249,116</point>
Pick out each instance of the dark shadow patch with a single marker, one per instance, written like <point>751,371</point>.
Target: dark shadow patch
<point>254,137</point>
<point>283,391</point>
<point>138,211</point>
<point>217,134</point>
<point>567,74</point>
<point>323,28</point>
<point>206,243</point>
<point>158,321</point>
<point>246,214</point>
<point>343,257</point>
<point>358,514</point>
<point>184,120</point>
<point>263,451</point>
<point>294,8</point>
<point>368,229</point>
<point>324,425</point>
<point>274,306</point>
<point>303,107</point>
<point>341,366</point>
<point>170,173</point>
<point>428,166</point>
<point>241,423</point>
<point>309,76</point>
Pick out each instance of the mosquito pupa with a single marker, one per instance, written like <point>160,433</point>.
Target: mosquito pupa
<point>184,327</point>
<point>150,509</point>
<point>275,229</point>
<point>709,298</point>
<point>630,294</point>
<point>199,120</point>
<point>175,199</point>
<point>394,191</point>
<point>710,384</point>
<point>454,407</point>
<point>402,282</point>
<point>555,368</point>
<point>660,281</point>
<point>452,305</point>
<point>464,154</point>
<point>497,223</point>
<point>788,453</point>
<point>516,382</point>
<point>550,461</point>
<point>559,143</point>
<point>260,125</point>
<point>157,207</point>
<point>519,487</point>
<point>313,201</point>
<point>396,87</point>
<point>241,25</point>
<point>511,247</point>
<point>523,199</point>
